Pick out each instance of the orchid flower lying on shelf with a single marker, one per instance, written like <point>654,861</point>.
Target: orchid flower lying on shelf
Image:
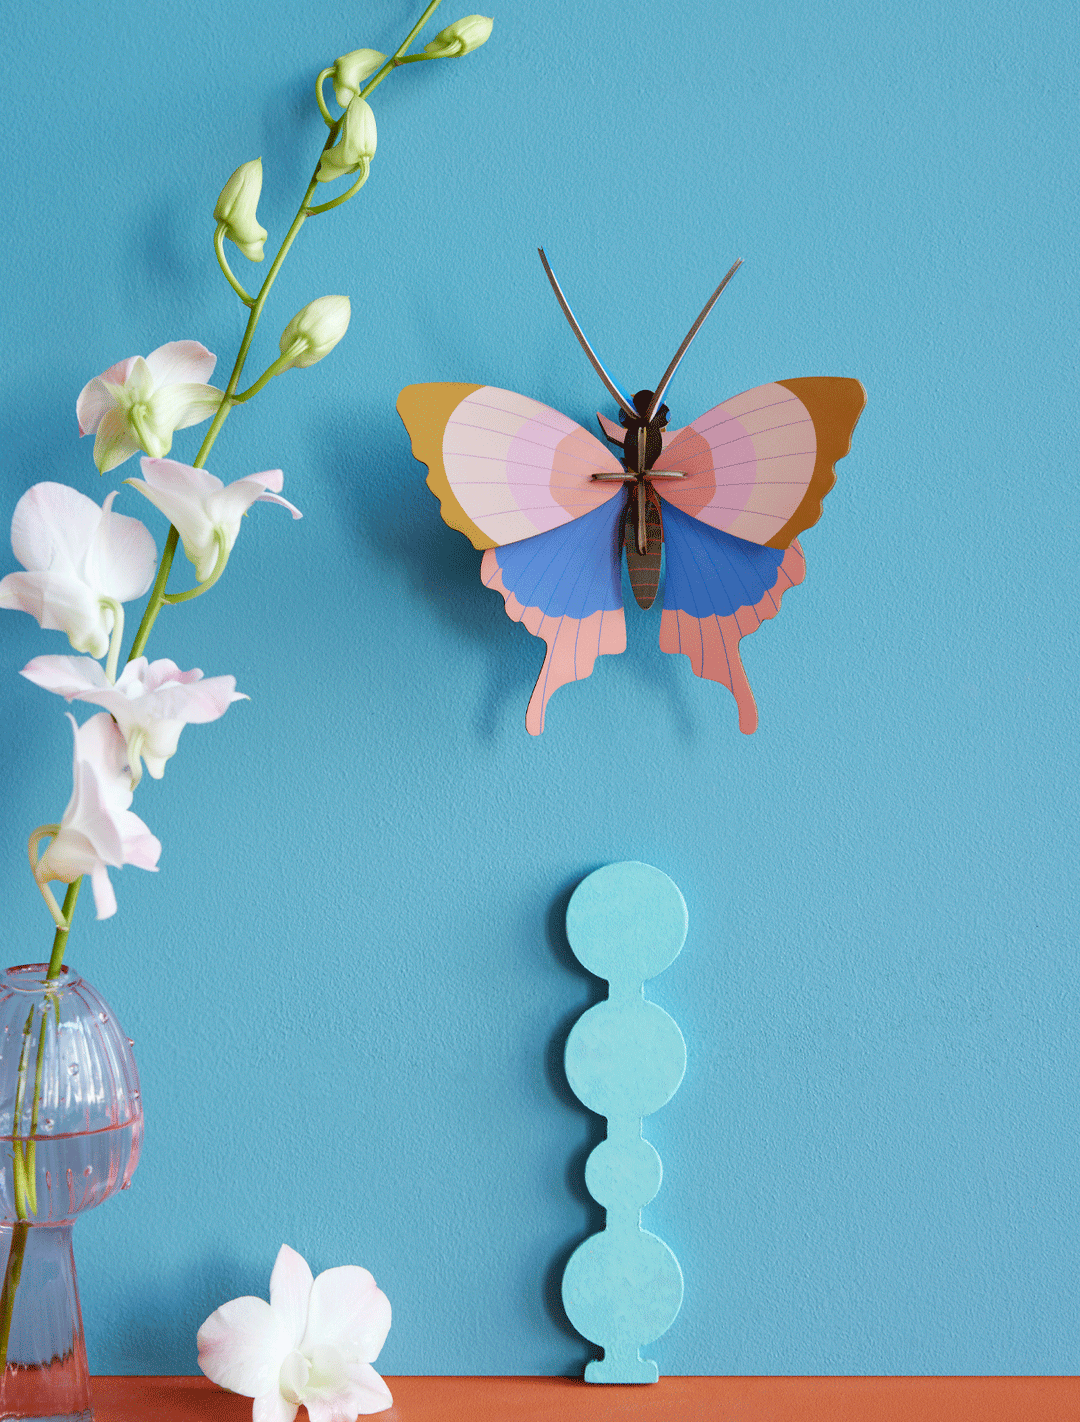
<point>81,562</point>
<point>313,1343</point>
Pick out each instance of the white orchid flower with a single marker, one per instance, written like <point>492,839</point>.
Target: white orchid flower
<point>313,1343</point>
<point>151,702</point>
<point>82,562</point>
<point>139,403</point>
<point>98,829</point>
<point>206,512</point>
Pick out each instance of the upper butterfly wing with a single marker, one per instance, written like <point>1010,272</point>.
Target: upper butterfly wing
<point>759,465</point>
<point>515,477</point>
<point>504,467</point>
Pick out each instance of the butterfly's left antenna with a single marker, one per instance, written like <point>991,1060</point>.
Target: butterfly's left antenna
<point>654,404</point>
<point>601,372</point>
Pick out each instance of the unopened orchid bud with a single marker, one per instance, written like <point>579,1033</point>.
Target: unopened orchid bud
<point>236,209</point>
<point>355,146</point>
<point>350,71</point>
<point>460,37</point>
<point>315,331</point>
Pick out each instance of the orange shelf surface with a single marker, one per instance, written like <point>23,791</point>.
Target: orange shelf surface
<point>914,1399</point>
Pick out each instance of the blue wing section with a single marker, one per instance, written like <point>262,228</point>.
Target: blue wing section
<point>718,589</point>
<point>565,586</point>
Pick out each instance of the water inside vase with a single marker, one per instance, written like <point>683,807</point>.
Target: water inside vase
<point>73,1172</point>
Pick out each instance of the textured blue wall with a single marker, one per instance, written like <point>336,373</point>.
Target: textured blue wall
<point>349,984</point>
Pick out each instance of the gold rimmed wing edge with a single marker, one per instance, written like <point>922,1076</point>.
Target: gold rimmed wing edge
<point>834,403</point>
<point>425,411</point>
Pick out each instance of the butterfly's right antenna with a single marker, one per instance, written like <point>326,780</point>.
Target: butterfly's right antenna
<point>601,372</point>
<point>694,329</point>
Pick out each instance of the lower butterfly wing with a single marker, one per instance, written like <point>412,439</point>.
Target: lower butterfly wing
<point>759,465</point>
<point>504,467</point>
<point>718,589</point>
<point>565,586</point>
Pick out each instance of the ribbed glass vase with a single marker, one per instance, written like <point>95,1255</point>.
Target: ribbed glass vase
<point>65,1146</point>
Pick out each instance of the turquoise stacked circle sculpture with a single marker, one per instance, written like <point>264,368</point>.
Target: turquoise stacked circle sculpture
<point>624,1059</point>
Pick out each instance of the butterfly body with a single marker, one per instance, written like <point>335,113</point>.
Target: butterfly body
<point>554,510</point>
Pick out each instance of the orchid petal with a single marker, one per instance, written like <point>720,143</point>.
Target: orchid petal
<point>60,605</point>
<point>69,677</point>
<point>347,1311</point>
<point>269,479</point>
<point>272,1407</point>
<point>104,894</point>
<point>115,441</point>
<point>290,1288</point>
<point>241,1346</point>
<point>141,848</point>
<point>175,407</point>
<point>68,857</point>
<point>169,476</point>
<point>122,557</point>
<point>277,499</point>
<point>87,815</point>
<point>95,398</point>
<point>181,361</point>
<point>53,523</point>
<point>361,1392</point>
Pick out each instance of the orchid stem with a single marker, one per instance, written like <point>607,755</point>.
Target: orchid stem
<point>319,97</point>
<point>219,248</point>
<point>219,567</point>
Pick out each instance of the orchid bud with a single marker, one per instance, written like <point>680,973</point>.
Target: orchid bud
<point>315,331</point>
<point>460,37</point>
<point>236,209</point>
<point>355,146</point>
<point>350,71</point>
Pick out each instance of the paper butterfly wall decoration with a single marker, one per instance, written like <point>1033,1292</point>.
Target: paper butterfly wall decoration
<point>554,509</point>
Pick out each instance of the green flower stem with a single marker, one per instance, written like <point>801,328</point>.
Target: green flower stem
<point>117,610</point>
<point>319,97</point>
<point>284,362</point>
<point>395,59</point>
<point>56,958</point>
<point>365,169</point>
<point>12,1275</point>
<point>219,567</point>
<point>219,248</point>
<point>47,894</point>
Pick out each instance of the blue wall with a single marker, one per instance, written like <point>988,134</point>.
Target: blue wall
<point>349,984</point>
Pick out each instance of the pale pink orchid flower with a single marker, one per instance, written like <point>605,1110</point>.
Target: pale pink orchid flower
<point>82,562</point>
<point>205,512</point>
<point>313,1343</point>
<point>98,830</point>
<point>139,402</point>
<point>151,702</point>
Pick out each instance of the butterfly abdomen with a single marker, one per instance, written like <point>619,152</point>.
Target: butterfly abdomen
<point>644,568</point>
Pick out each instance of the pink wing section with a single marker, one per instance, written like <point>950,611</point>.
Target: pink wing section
<point>573,644</point>
<point>519,468</point>
<point>748,463</point>
<point>711,640</point>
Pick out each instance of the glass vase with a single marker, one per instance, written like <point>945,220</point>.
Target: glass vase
<point>71,1128</point>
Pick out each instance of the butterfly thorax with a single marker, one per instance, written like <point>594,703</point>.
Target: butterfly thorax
<point>642,529</point>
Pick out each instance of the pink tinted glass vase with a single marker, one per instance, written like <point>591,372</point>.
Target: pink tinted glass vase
<point>67,1151</point>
